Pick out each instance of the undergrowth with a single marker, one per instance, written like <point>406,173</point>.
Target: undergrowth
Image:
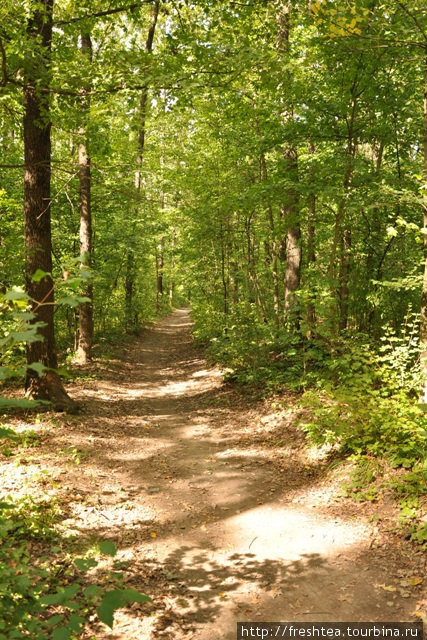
<point>49,584</point>
<point>359,399</point>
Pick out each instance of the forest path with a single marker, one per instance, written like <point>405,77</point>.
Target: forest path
<point>210,521</point>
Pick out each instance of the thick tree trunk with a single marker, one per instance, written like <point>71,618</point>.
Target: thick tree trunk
<point>85,308</point>
<point>38,240</point>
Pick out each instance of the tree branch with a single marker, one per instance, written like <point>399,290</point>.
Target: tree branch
<point>414,19</point>
<point>4,79</point>
<point>101,14</point>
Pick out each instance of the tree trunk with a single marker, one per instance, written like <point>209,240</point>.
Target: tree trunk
<point>311,251</point>
<point>340,228</point>
<point>344,277</point>
<point>290,214</point>
<point>130,282</point>
<point>159,274</point>
<point>129,289</point>
<point>37,201</point>
<point>376,252</point>
<point>85,308</point>
<point>290,207</point>
<point>172,276</point>
<point>224,276</point>
<point>274,251</point>
<point>254,287</point>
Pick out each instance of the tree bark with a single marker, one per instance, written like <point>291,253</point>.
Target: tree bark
<point>274,252</point>
<point>129,288</point>
<point>159,273</point>
<point>37,209</point>
<point>290,214</point>
<point>311,250</point>
<point>172,276</point>
<point>344,277</point>
<point>290,207</point>
<point>85,308</point>
<point>340,228</point>
<point>130,281</point>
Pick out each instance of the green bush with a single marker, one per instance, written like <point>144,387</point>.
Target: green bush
<point>48,598</point>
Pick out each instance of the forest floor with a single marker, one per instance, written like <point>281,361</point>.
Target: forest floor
<point>219,509</point>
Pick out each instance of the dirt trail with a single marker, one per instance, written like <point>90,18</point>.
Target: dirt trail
<point>209,520</point>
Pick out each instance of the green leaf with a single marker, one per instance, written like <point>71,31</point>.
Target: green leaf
<point>52,598</point>
<point>38,367</point>
<point>39,275</point>
<point>30,335</point>
<point>16,293</point>
<point>84,564</point>
<point>22,403</point>
<point>111,601</point>
<point>54,620</point>
<point>71,590</point>
<point>107,547</point>
<point>61,633</point>
<point>76,623</point>
<point>91,591</point>
<point>131,595</point>
<point>72,301</point>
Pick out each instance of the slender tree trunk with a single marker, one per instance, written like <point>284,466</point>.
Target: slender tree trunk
<point>160,263</point>
<point>290,208</point>
<point>274,252</point>
<point>224,277</point>
<point>290,213</point>
<point>344,277</point>
<point>254,287</point>
<point>423,325</point>
<point>129,288</point>
<point>37,201</point>
<point>311,251</point>
<point>340,227</point>
<point>130,281</point>
<point>375,252</point>
<point>85,308</point>
<point>172,276</point>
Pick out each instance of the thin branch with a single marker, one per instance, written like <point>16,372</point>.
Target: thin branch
<point>101,14</point>
<point>414,19</point>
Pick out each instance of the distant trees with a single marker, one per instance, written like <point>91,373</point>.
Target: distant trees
<point>266,156</point>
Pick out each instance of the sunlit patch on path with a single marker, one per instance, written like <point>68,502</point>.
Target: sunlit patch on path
<point>206,519</point>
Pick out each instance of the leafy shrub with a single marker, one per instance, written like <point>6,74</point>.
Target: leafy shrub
<point>34,601</point>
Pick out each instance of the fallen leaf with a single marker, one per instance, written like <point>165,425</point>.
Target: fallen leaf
<point>416,581</point>
<point>153,534</point>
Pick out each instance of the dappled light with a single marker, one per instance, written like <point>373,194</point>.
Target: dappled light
<point>213,317</point>
<point>174,470</point>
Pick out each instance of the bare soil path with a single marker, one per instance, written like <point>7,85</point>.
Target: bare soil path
<point>218,512</point>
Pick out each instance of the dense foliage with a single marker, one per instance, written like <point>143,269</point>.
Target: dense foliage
<point>265,162</point>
